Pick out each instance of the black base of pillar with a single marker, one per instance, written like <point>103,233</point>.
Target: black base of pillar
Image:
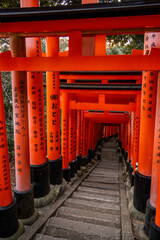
<point>98,156</point>
<point>94,153</point>
<point>40,179</point>
<point>8,220</point>
<point>142,185</point>
<point>120,144</point>
<point>96,148</point>
<point>87,159</point>
<point>79,162</point>
<point>25,203</point>
<point>127,164</point>
<point>154,231</point>
<point>123,151</point>
<point>76,165</point>
<point>83,161</point>
<point>55,170</point>
<point>99,149</point>
<point>126,156</point>
<point>72,169</point>
<point>150,212</point>
<point>67,174</point>
<point>90,154</point>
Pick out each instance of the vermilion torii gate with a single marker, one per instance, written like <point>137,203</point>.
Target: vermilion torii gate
<point>84,25</point>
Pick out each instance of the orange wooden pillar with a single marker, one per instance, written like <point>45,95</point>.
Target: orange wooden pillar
<point>75,139</point>
<point>131,160</point>
<point>23,190</point>
<point>108,131</point>
<point>104,131</point>
<point>90,154</point>
<point>129,140</point>
<point>8,208</point>
<point>95,137</point>
<point>113,130</point>
<point>93,131</point>
<point>126,135</point>
<point>70,144</point>
<point>89,1</point>
<point>89,135</point>
<point>152,227</point>
<point>39,164</point>
<point>137,130</point>
<point>84,159</point>
<point>147,126</point>
<point>92,140</point>
<point>65,136</point>
<point>135,125</point>
<point>82,138</point>
<point>53,116</point>
<point>86,137</point>
<point>153,203</point>
<point>123,137</point>
<point>38,161</point>
<point>78,139</point>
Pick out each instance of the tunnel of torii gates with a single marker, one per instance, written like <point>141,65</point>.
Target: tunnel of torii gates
<point>100,96</point>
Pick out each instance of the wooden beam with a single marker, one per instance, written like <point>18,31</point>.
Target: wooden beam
<point>94,63</point>
<point>85,25</point>
<point>103,107</point>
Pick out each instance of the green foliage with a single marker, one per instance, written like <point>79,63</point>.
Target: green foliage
<point>114,51</point>
<point>126,42</point>
<point>7,96</point>
<point>43,3</point>
<point>9,3</point>
<point>49,3</point>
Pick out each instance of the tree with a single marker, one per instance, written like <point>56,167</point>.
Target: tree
<point>9,3</point>
<point>126,42</point>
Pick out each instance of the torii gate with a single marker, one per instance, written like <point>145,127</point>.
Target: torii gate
<point>35,26</point>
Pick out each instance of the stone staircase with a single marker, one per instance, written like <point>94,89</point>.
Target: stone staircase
<point>93,212</point>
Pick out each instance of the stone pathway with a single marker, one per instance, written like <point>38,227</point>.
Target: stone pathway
<point>97,210</point>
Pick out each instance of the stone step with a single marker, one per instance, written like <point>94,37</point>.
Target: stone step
<point>103,219</point>
<point>98,191</point>
<point>106,171</point>
<point>114,166</point>
<point>95,197</point>
<point>102,179</point>
<point>108,186</point>
<point>110,164</point>
<point>104,175</point>
<point>103,207</point>
<point>105,159</point>
<point>46,237</point>
<point>107,167</point>
<point>110,159</point>
<point>77,230</point>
